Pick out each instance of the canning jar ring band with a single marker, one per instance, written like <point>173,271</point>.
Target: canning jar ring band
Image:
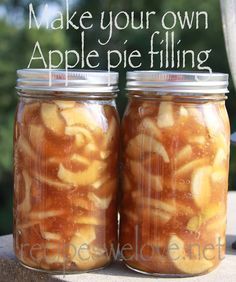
<point>40,94</point>
<point>177,97</point>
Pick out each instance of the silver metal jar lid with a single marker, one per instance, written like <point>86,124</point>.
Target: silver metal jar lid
<point>58,80</point>
<point>184,83</point>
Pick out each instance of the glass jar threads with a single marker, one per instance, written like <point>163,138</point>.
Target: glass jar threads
<point>175,172</point>
<point>66,161</point>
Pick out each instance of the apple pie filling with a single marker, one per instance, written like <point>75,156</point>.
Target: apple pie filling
<point>65,208</point>
<point>175,180</point>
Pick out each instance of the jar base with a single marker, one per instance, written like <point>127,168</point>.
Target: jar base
<point>63,272</point>
<point>165,275</point>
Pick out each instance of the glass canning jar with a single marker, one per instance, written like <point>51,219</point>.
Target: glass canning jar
<point>175,172</point>
<point>65,169</point>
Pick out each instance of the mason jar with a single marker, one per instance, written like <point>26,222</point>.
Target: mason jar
<point>65,169</point>
<point>175,164</point>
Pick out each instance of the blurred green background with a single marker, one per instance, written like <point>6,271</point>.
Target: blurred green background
<point>17,42</point>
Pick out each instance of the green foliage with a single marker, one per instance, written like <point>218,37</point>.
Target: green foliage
<point>6,140</point>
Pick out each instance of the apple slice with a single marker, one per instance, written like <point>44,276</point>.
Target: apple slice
<point>148,126</point>
<point>90,148</point>
<point>24,147</point>
<point>219,176</point>
<point>183,155</point>
<point>210,212</point>
<point>157,204</point>
<point>98,184</point>
<point>201,186</point>
<point>149,180</point>
<point>101,203</point>
<point>221,141</point>
<point>201,140</point>
<point>156,182</point>
<point>52,119</point>
<point>82,254</point>
<point>160,210</point>
<point>108,187</point>
<point>74,130</point>
<point>89,220</point>
<point>25,206</point>
<point>105,154</point>
<point>219,223</point>
<point>52,246</point>
<point>196,114</point>
<point>220,158</point>
<point>194,223</point>
<point>52,183</point>
<point>63,104</point>
<point>80,159</point>
<point>81,116</point>
<point>211,118</point>
<point>36,136</point>
<point>213,210</point>
<point>27,224</point>
<point>50,236</point>
<point>147,109</point>
<point>183,111</point>
<point>176,252</point>
<point>97,251</point>
<point>82,178</point>
<point>84,235</point>
<point>83,203</point>
<point>41,215</point>
<point>160,216</point>
<point>165,117</point>
<point>80,140</point>
<point>55,258</point>
<point>187,169</point>
<point>146,144</point>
